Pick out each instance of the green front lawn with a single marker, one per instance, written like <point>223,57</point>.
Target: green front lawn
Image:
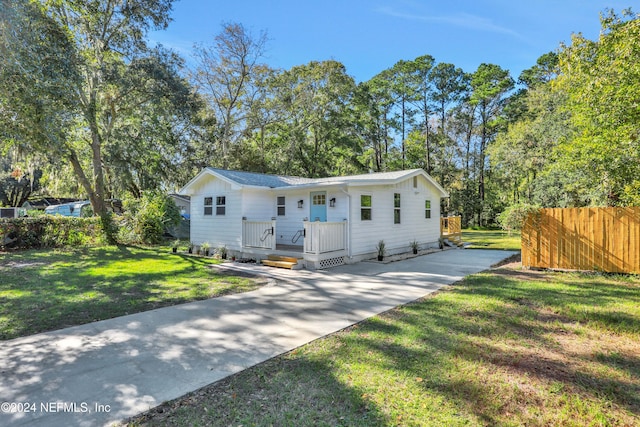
<point>491,239</point>
<point>506,347</point>
<point>42,290</point>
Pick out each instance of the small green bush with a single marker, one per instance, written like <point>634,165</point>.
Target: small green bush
<point>49,232</point>
<point>147,218</point>
<point>512,217</point>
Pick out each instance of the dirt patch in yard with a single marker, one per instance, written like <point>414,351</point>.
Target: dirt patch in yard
<point>514,262</point>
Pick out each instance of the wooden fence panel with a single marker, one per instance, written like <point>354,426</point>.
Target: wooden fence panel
<point>602,239</point>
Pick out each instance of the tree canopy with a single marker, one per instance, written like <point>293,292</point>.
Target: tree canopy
<point>80,86</point>
<point>577,143</point>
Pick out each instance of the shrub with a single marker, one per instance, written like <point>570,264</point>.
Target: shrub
<point>49,232</point>
<point>109,228</point>
<point>147,218</point>
<point>512,218</point>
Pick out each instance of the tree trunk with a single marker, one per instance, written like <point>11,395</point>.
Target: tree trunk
<point>82,178</point>
<point>427,146</point>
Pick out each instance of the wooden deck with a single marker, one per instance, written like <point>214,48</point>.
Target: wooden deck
<point>451,228</point>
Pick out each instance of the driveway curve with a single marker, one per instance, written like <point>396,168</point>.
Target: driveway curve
<point>106,371</point>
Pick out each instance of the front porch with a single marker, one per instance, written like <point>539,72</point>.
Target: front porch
<point>319,244</point>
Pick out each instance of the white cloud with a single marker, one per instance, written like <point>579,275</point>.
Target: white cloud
<point>463,20</point>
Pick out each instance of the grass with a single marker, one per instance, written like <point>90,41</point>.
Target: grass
<point>42,290</point>
<point>506,347</point>
<point>492,239</point>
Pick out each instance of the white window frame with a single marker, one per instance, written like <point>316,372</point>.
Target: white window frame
<point>366,208</point>
<point>221,205</point>
<point>208,206</point>
<point>282,206</point>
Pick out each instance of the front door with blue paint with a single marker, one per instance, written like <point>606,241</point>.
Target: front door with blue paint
<point>318,206</point>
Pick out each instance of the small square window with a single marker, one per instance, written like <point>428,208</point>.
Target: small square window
<point>319,199</point>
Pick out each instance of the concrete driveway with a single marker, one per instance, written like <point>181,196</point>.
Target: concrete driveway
<point>106,371</point>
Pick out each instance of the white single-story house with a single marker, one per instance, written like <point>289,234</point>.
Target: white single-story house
<point>325,221</point>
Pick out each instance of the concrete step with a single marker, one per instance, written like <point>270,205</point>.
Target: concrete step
<point>451,244</point>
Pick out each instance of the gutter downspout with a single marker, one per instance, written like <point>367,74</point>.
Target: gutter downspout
<point>349,220</point>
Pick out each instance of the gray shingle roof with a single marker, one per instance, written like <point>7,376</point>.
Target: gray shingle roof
<point>261,180</point>
<point>279,181</point>
<point>252,179</point>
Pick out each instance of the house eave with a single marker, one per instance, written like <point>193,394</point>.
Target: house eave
<point>337,183</point>
<point>184,191</point>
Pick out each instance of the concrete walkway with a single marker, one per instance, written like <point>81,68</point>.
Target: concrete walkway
<point>106,371</point>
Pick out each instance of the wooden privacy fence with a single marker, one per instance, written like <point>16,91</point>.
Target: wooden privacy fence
<point>600,239</point>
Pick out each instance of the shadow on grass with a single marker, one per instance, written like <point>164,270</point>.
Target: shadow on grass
<point>57,289</point>
<point>281,391</point>
<point>486,352</point>
<point>489,324</point>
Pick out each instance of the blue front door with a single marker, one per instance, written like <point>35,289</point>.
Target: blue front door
<point>318,206</point>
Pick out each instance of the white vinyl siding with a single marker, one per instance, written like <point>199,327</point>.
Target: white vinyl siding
<point>291,222</point>
<point>366,234</point>
<point>217,230</point>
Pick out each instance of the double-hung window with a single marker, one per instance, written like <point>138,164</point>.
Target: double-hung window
<point>208,205</point>
<point>281,206</point>
<point>221,205</point>
<point>396,208</point>
<point>365,207</point>
<point>427,209</point>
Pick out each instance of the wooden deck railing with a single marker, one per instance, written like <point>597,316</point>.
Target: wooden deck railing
<point>451,228</point>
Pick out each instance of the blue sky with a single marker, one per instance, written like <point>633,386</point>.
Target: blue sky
<point>368,36</point>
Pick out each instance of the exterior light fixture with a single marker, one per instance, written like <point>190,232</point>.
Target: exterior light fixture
<point>300,203</point>
<point>332,202</point>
